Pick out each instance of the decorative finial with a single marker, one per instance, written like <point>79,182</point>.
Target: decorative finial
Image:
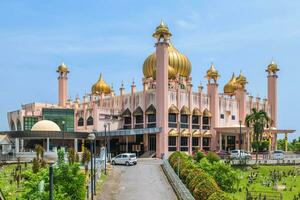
<point>162,32</point>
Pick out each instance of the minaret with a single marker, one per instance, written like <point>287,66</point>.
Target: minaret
<point>162,35</point>
<point>241,95</point>
<point>212,92</point>
<point>272,91</point>
<point>63,71</point>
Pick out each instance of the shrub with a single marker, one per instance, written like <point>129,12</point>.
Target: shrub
<point>198,178</point>
<point>71,156</point>
<point>198,156</point>
<point>35,165</point>
<point>174,157</point>
<point>212,157</point>
<point>219,196</point>
<point>61,156</point>
<point>205,188</point>
<point>192,174</point>
<point>186,170</point>
<point>206,165</point>
<point>225,176</point>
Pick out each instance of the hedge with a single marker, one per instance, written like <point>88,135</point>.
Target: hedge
<point>219,196</point>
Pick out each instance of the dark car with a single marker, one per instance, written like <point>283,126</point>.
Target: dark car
<point>223,154</point>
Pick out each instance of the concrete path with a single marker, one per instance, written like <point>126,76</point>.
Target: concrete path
<point>144,181</point>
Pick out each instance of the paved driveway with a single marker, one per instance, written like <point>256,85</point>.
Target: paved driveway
<point>144,181</point>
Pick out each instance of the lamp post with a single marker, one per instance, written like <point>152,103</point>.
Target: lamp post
<point>240,139</point>
<point>63,133</point>
<point>95,169</point>
<point>91,138</point>
<point>51,181</point>
<point>105,144</point>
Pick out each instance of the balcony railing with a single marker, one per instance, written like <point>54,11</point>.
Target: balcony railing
<point>137,126</point>
<point>172,125</point>
<point>151,125</point>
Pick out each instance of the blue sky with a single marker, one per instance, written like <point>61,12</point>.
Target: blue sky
<point>114,37</point>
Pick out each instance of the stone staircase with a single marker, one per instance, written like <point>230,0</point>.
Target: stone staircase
<point>148,154</point>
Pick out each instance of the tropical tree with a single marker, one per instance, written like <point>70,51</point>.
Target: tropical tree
<point>258,120</point>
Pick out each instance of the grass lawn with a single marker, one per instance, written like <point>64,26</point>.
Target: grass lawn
<point>292,183</point>
<point>7,183</point>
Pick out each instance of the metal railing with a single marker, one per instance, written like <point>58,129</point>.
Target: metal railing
<point>181,190</point>
<point>259,195</point>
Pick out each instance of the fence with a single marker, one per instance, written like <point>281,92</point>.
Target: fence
<point>257,195</point>
<point>182,192</point>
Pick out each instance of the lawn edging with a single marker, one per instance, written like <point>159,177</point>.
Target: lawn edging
<point>180,189</point>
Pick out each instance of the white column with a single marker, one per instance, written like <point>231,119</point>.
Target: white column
<point>17,145</point>
<point>22,145</point>
<point>76,145</point>
<point>220,141</point>
<point>48,144</point>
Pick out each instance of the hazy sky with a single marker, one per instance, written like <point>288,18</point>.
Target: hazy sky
<point>114,37</point>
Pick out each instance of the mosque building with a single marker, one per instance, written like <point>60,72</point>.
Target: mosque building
<point>168,115</point>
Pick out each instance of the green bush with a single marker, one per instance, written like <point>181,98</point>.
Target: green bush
<point>174,157</point>
<point>219,196</point>
<point>198,156</point>
<point>213,157</point>
<point>205,188</point>
<point>225,176</point>
<point>192,175</point>
<point>198,178</point>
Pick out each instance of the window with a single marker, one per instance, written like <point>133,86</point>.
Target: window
<point>172,120</point>
<point>64,118</point>
<point>195,142</point>
<point>195,122</point>
<point>233,117</point>
<point>206,144</point>
<point>151,118</point>
<point>172,143</point>
<point>206,123</point>
<point>139,119</point>
<point>184,121</point>
<point>184,144</point>
<point>172,117</point>
<point>127,120</point>
<point>90,121</point>
<point>222,116</point>
<point>80,121</point>
<point>29,122</point>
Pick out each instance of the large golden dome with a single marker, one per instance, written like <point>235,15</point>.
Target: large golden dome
<point>101,87</point>
<point>179,62</point>
<point>231,86</point>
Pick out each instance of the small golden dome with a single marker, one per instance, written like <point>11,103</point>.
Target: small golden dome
<point>162,31</point>
<point>179,62</point>
<point>231,86</point>
<point>212,73</point>
<point>101,87</point>
<point>241,81</point>
<point>62,68</point>
<point>272,68</point>
<point>207,113</point>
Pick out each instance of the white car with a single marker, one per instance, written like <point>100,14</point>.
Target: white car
<point>240,154</point>
<point>278,155</point>
<point>124,159</point>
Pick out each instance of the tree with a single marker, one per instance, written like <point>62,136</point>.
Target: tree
<point>86,157</point>
<point>257,120</point>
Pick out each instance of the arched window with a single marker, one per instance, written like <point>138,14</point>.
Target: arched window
<point>19,127</point>
<point>90,121</point>
<point>80,121</point>
<point>12,126</point>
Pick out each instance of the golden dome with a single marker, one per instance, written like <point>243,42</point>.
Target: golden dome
<point>179,63</point>
<point>241,81</point>
<point>212,73</point>
<point>162,31</point>
<point>62,68</point>
<point>231,86</point>
<point>171,73</point>
<point>101,87</point>
<point>272,68</point>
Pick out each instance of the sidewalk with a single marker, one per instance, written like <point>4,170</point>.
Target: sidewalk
<point>110,188</point>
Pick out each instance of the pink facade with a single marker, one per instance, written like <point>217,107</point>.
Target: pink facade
<point>186,119</point>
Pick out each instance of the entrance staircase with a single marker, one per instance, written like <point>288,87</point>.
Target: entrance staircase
<point>148,154</point>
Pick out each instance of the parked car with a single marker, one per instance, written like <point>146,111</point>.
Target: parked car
<point>240,154</point>
<point>124,159</point>
<point>278,155</point>
<point>223,154</point>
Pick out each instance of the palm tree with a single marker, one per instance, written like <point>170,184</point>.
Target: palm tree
<point>258,120</point>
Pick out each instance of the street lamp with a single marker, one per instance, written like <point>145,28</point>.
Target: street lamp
<point>51,181</point>
<point>91,138</point>
<point>105,144</point>
<point>94,143</point>
<point>63,132</point>
<point>240,146</point>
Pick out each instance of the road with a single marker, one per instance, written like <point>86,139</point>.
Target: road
<point>144,181</point>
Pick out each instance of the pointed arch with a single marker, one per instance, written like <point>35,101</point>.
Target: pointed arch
<point>19,126</point>
<point>80,122</point>
<point>138,111</point>
<point>151,110</point>
<point>12,125</point>
<point>90,121</point>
